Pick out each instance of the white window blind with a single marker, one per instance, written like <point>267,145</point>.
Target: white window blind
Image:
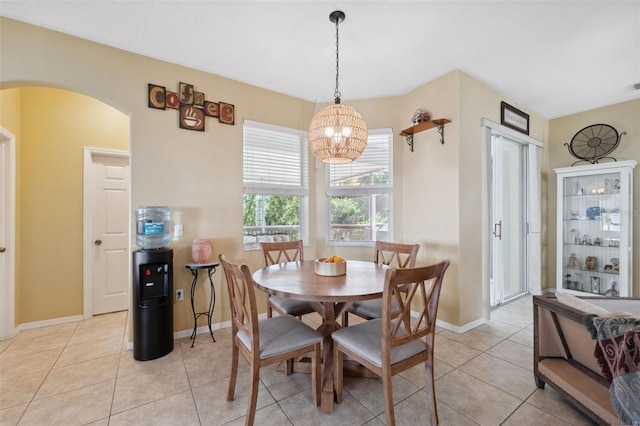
<point>372,169</point>
<point>274,159</point>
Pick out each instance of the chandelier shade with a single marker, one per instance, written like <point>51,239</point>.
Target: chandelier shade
<point>337,133</point>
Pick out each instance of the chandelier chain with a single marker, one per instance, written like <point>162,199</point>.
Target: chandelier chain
<point>336,93</point>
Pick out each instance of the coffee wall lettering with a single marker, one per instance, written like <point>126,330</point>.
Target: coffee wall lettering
<point>191,105</point>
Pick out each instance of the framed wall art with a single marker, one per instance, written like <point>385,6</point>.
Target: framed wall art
<point>192,106</point>
<point>514,118</point>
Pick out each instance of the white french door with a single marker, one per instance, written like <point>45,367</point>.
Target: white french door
<point>511,215</point>
<point>509,218</point>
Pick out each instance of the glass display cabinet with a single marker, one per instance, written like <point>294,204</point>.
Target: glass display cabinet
<point>594,229</point>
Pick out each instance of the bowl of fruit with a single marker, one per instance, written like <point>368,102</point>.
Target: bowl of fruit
<point>331,266</point>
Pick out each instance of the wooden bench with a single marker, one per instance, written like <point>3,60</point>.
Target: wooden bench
<point>563,354</point>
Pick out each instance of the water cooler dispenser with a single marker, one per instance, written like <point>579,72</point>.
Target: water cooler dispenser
<point>152,303</point>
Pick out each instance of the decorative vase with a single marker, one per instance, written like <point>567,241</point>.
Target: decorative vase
<point>201,251</point>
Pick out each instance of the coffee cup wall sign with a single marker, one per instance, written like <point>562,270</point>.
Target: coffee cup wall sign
<point>191,105</point>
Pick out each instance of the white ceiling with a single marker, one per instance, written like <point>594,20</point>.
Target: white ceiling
<point>553,57</point>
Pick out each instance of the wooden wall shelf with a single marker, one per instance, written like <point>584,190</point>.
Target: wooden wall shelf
<point>421,127</point>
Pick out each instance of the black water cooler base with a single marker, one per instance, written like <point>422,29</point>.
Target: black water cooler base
<point>151,337</point>
<point>152,303</point>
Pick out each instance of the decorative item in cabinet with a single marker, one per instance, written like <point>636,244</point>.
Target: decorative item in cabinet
<point>594,253</point>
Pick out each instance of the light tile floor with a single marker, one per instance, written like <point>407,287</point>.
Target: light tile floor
<point>81,373</point>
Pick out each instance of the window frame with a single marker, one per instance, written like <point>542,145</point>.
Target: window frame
<point>368,190</point>
<point>301,191</point>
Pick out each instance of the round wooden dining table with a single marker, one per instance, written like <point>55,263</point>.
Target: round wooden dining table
<point>330,297</point>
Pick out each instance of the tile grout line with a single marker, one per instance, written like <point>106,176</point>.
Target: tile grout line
<point>115,382</point>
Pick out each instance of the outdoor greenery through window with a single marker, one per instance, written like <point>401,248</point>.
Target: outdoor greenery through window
<point>275,176</point>
<point>360,194</point>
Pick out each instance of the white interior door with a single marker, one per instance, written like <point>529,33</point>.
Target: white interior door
<point>108,238</point>
<point>509,218</point>
<point>7,233</point>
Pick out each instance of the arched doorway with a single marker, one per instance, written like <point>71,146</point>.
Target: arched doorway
<point>54,127</point>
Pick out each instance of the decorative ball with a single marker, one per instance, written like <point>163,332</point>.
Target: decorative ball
<point>420,116</point>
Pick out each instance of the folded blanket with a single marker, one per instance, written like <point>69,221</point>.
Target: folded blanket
<point>618,355</point>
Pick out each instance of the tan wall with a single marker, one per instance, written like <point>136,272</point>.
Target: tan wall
<point>10,120</point>
<point>478,101</point>
<point>199,174</point>
<point>431,185</point>
<point>624,117</point>
<point>55,126</point>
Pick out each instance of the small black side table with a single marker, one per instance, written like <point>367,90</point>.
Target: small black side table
<point>211,269</point>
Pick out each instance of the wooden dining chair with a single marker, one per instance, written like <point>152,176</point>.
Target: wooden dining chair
<point>266,342</point>
<point>393,254</point>
<point>281,252</point>
<point>390,345</point>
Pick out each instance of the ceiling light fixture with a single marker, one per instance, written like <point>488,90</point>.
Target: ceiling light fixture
<point>337,133</point>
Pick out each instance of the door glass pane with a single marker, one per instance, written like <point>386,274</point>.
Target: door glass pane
<point>513,218</point>
<point>509,213</point>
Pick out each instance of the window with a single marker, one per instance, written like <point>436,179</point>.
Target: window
<point>276,184</point>
<point>360,194</point>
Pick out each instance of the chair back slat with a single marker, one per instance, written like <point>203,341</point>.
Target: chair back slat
<point>282,252</point>
<point>415,288</point>
<point>403,254</point>
<point>242,297</point>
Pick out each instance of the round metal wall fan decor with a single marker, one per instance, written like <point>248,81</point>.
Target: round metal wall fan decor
<point>593,143</point>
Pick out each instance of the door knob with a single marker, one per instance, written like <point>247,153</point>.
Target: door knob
<point>97,242</point>
<point>2,249</point>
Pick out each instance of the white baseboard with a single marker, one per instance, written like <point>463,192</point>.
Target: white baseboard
<point>460,329</point>
<point>47,323</point>
<point>455,328</point>
<point>200,330</point>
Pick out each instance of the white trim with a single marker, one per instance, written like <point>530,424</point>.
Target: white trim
<point>461,329</point>
<point>592,169</point>
<point>368,190</point>
<point>485,122</point>
<point>205,329</point>
<point>50,322</point>
<point>87,275</point>
<point>274,128</point>
<point>7,307</point>
<point>455,328</point>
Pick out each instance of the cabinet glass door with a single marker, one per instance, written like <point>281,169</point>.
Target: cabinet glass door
<point>591,234</point>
